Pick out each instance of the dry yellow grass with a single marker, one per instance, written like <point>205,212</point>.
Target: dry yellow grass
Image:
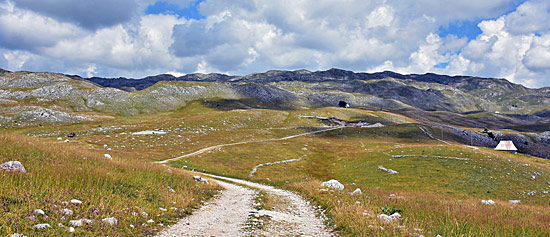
<point>122,188</point>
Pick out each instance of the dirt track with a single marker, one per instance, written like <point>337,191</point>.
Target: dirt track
<point>232,213</point>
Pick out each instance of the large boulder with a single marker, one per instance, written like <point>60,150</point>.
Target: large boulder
<point>333,184</point>
<point>13,166</point>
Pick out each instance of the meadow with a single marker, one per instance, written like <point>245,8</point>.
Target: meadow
<point>438,188</point>
<point>141,196</point>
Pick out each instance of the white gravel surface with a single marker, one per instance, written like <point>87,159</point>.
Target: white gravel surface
<point>225,215</point>
<point>229,212</point>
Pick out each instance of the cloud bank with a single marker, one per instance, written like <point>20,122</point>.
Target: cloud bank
<point>108,38</point>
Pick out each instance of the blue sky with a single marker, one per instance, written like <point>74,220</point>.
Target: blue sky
<point>467,29</point>
<point>136,38</point>
<point>190,11</point>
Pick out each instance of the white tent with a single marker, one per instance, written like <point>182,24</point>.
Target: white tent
<point>506,146</point>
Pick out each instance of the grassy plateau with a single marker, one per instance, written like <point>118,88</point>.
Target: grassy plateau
<point>438,188</point>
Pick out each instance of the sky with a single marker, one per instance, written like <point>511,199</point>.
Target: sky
<point>137,38</point>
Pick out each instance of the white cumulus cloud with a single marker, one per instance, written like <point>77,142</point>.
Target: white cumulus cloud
<point>106,38</point>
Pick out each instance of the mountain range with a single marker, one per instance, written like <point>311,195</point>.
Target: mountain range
<point>30,98</point>
<point>430,92</point>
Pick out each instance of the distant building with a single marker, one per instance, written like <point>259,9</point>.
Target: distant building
<point>506,146</point>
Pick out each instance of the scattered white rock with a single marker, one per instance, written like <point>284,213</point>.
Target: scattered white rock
<point>150,221</point>
<point>200,179</point>
<point>67,140</point>
<point>144,214</point>
<point>13,166</point>
<point>169,170</point>
<point>392,217</point>
<point>66,212</point>
<point>108,156</point>
<point>395,215</point>
<point>132,226</point>
<point>171,189</point>
<point>17,235</point>
<point>488,202</point>
<point>514,201</point>
<point>163,209</point>
<point>59,139</point>
<point>76,223</point>
<point>335,184</point>
<point>387,170</point>
<point>533,177</point>
<point>110,220</point>
<point>356,192</point>
<point>149,132</point>
<point>38,212</point>
<point>76,201</point>
<point>42,226</point>
<point>86,221</point>
<point>71,229</point>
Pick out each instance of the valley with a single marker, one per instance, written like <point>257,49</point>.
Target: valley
<point>268,131</point>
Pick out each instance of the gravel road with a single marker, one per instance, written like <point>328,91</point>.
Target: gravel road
<point>232,213</point>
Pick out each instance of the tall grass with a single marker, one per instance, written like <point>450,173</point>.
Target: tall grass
<point>132,192</point>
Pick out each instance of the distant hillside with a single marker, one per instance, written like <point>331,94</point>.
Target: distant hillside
<point>27,97</point>
<point>276,76</point>
<point>430,92</point>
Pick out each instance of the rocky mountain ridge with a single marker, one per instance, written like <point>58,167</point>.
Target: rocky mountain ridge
<point>297,75</point>
<point>455,98</point>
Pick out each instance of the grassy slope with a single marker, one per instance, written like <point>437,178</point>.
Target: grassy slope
<point>439,196</point>
<point>58,172</point>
